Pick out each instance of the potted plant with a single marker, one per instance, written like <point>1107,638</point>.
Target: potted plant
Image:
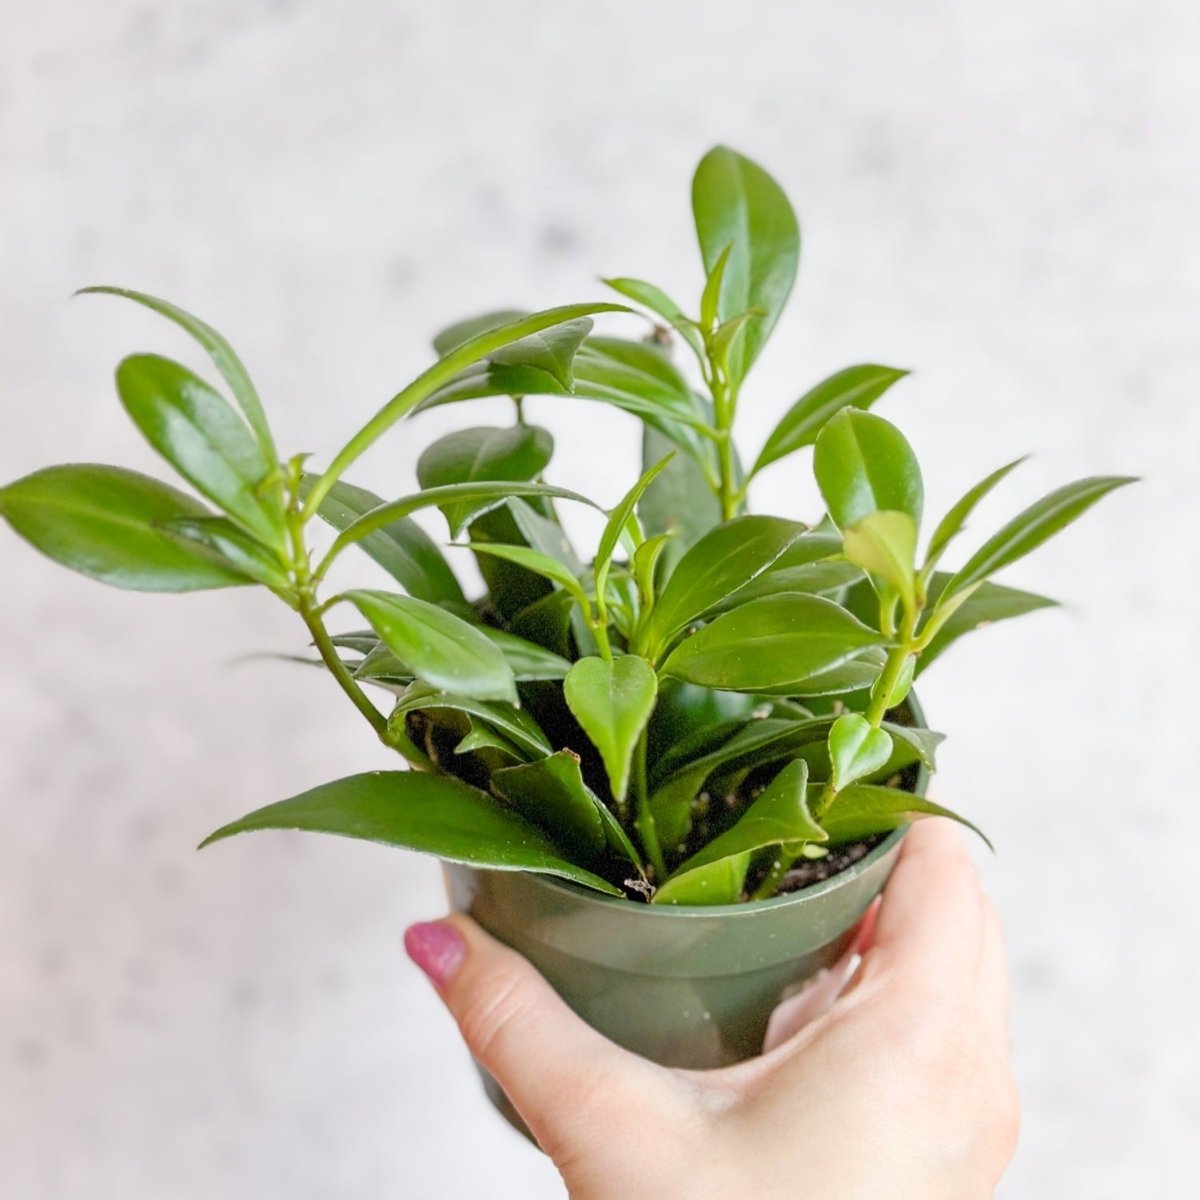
<point>673,770</point>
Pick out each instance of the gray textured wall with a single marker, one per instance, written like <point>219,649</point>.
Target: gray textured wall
<point>1003,196</point>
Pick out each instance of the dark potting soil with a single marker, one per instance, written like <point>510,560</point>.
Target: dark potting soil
<point>814,870</point>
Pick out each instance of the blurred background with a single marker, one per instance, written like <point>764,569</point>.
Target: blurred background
<point>1002,197</point>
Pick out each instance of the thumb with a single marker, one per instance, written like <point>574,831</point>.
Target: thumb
<point>565,1079</point>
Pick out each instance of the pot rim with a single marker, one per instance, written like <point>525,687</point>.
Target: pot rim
<point>741,908</point>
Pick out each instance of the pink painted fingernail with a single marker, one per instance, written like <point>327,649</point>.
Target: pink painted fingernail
<point>437,948</point>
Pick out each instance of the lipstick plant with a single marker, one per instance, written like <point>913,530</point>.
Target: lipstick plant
<point>685,712</point>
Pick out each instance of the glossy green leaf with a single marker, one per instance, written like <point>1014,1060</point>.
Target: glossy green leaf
<point>919,744</point>
<point>720,882</point>
<point>514,723</point>
<point>546,535</point>
<point>680,501</point>
<point>401,547</point>
<point>550,793</point>
<point>884,544</point>
<point>657,301</point>
<point>440,648</point>
<point>107,523</point>
<point>200,434</point>
<point>462,331</point>
<point>711,296</point>
<point>737,204</point>
<point>864,810</point>
<point>813,564</point>
<point>223,355</point>
<point>475,498</point>
<point>952,523</point>
<point>990,602</point>
<point>483,739</point>
<point>618,521</point>
<point>429,813</point>
<point>436,376</point>
<point>551,350</point>
<point>231,543</point>
<point>856,749</point>
<point>528,660</point>
<point>854,387</point>
<point>854,675</point>
<point>780,814</point>
<point>770,644</point>
<point>515,453</point>
<point>1029,529</point>
<point>863,465</point>
<point>612,701</point>
<point>739,745</point>
<point>717,567</point>
<point>541,564</point>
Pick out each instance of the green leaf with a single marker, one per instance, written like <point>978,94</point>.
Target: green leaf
<point>198,432</point>
<point>436,376</point>
<point>736,203</point>
<point>108,523</point>
<point>951,524</point>
<point>429,813</point>
<point>632,376</point>
<point>657,301</point>
<point>711,295</point>
<point>718,566</point>
<point>224,358</point>
<point>990,602</point>
<point>915,743</point>
<point>1029,529</point>
<point>856,749</point>
<point>517,453</point>
<point>551,350</point>
<point>855,387</point>
<point>483,497</point>
<point>483,739</point>
<point>546,535</point>
<point>551,794</point>
<point>514,723</point>
<point>812,564</point>
<point>230,543</point>
<point>854,675</point>
<point>885,545</point>
<point>612,701</point>
<point>773,644</point>
<point>440,648</point>
<point>780,814</point>
<point>528,660</point>
<point>720,882</point>
<point>864,810</point>
<point>618,521</point>
<point>401,547</point>
<point>537,562</point>
<point>463,331</point>
<point>680,501</point>
<point>864,465</point>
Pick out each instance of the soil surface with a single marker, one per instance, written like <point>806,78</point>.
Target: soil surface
<point>813,870</point>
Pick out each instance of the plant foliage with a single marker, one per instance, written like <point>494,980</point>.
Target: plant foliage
<point>679,715</point>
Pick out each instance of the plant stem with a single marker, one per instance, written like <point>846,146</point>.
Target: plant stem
<point>646,828</point>
<point>329,656</point>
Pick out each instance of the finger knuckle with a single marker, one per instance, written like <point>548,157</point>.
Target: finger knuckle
<point>492,1010</point>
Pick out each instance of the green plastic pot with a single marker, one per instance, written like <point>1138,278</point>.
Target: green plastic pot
<point>685,986</point>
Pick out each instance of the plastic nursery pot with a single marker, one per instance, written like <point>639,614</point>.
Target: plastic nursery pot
<point>685,986</point>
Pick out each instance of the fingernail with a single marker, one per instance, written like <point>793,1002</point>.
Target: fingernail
<point>437,948</point>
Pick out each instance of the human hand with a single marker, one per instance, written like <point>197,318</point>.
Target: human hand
<point>896,1086</point>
